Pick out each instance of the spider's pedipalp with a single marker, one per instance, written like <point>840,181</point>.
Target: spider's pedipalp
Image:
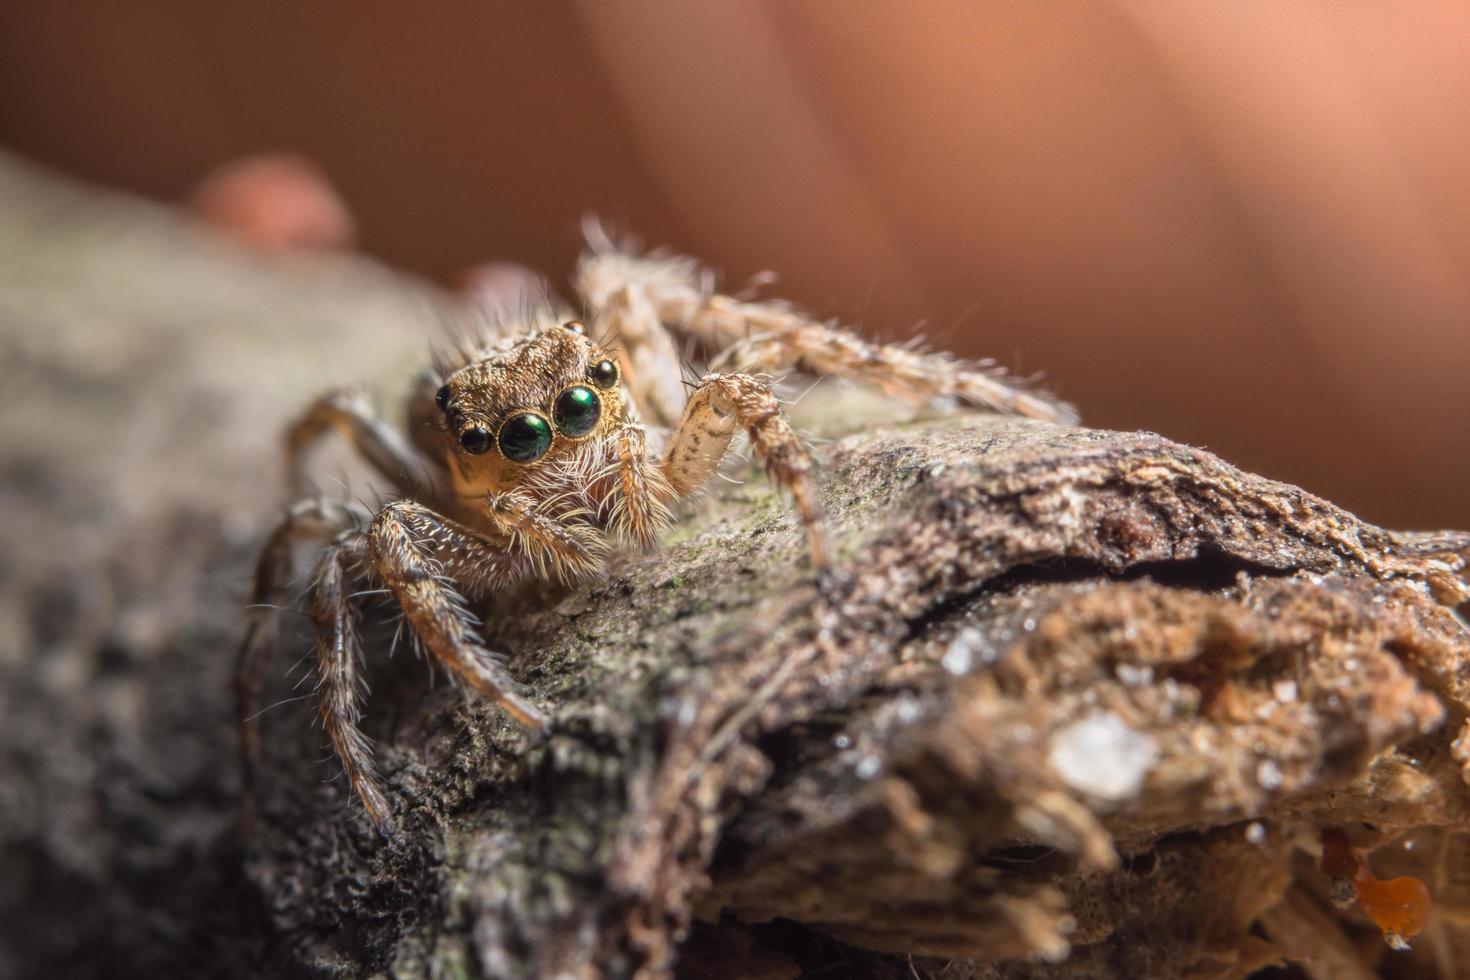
<point>635,499</point>
<point>549,537</point>
<point>403,542</point>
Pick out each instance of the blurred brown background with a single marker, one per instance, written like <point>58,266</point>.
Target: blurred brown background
<point>1244,226</point>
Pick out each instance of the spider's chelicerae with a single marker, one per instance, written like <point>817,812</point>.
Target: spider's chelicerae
<point>533,450</point>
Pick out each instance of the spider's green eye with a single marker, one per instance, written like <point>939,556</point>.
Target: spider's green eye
<point>604,374</point>
<point>577,411</point>
<point>441,398</point>
<point>525,437</point>
<point>476,440</point>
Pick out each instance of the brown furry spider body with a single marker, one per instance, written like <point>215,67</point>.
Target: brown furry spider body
<point>529,457</point>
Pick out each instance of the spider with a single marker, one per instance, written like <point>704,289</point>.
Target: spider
<point>532,451</point>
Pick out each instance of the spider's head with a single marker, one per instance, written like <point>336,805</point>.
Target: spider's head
<point>550,395</point>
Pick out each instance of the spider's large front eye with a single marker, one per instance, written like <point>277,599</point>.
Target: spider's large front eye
<point>577,411</point>
<point>525,437</point>
<point>476,440</point>
<point>441,398</point>
<point>604,374</point>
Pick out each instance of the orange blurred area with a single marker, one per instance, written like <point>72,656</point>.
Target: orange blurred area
<point>1246,226</point>
<point>274,201</point>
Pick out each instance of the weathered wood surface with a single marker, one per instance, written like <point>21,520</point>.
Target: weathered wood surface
<point>1075,707</point>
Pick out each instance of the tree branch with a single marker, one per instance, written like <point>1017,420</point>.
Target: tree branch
<point>1077,704</point>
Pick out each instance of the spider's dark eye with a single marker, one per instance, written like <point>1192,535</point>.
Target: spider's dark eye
<point>604,374</point>
<point>441,398</point>
<point>525,437</point>
<point>476,440</point>
<point>575,326</point>
<point>577,411</point>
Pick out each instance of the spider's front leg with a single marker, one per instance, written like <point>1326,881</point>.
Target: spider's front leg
<point>421,556</point>
<point>723,403</point>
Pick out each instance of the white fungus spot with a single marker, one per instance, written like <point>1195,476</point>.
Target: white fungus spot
<point>1255,833</point>
<point>1134,675</point>
<point>1102,756</point>
<point>1284,691</point>
<point>1268,774</point>
<point>960,657</point>
<point>868,767</point>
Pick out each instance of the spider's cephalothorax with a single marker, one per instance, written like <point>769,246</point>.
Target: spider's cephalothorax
<point>527,458</point>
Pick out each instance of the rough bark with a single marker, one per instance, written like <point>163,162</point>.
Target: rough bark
<point>1077,705</point>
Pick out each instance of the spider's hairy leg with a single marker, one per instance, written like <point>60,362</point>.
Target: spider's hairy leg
<point>315,519</point>
<point>416,552</point>
<point>546,534</point>
<point>780,339</point>
<point>719,405</point>
<point>637,494</point>
<point>770,337</point>
<point>340,688</point>
<point>349,413</point>
<point>650,358</point>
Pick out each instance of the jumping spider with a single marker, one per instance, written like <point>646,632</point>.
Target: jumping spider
<point>533,450</point>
